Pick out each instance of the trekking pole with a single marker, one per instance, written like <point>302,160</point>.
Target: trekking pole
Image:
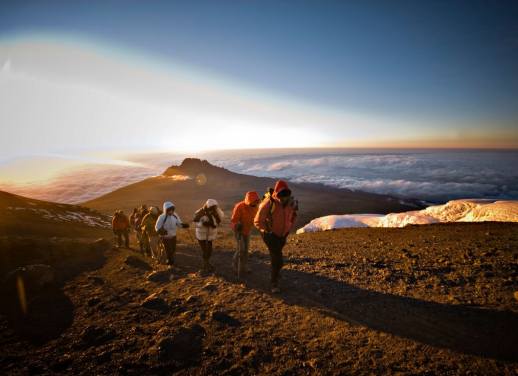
<point>239,255</point>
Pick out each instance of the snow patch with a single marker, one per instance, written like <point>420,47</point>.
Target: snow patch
<point>174,177</point>
<point>467,210</point>
<point>91,220</point>
<point>331,222</point>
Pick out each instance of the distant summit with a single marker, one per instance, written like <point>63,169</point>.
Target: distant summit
<point>195,180</point>
<point>195,166</point>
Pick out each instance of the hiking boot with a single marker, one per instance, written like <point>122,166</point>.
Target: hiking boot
<point>276,290</point>
<point>207,267</point>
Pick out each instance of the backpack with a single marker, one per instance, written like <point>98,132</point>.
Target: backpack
<point>138,221</point>
<point>268,196</point>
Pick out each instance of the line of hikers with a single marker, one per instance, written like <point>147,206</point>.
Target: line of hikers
<point>274,217</point>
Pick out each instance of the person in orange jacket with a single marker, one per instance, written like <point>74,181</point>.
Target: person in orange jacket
<point>121,227</point>
<point>275,219</point>
<point>242,222</point>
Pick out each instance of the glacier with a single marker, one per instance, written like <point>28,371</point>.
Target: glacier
<point>463,210</point>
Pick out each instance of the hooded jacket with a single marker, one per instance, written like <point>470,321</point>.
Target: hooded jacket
<point>169,222</point>
<point>120,222</point>
<point>278,219</point>
<point>149,222</point>
<point>244,213</point>
<point>203,216</point>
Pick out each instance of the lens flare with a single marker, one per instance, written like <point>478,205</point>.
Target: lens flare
<point>201,179</point>
<point>20,287</point>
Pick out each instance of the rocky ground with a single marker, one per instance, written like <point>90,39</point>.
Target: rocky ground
<point>436,299</point>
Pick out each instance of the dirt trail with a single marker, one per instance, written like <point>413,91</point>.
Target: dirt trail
<point>349,305</point>
<point>470,330</point>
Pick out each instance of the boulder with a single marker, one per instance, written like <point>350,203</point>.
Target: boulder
<point>100,245</point>
<point>211,287</point>
<point>96,280</point>
<point>34,277</point>
<point>93,301</point>
<point>182,344</point>
<point>95,336</point>
<point>225,318</point>
<point>163,276</point>
<point>156,303</point>
<point>137,263</point>
<point>192,299</point>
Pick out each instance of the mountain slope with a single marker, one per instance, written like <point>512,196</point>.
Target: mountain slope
<point>22,216</point>
<point>194,181</point>
<point>42,245</point>
<point>42,232</point>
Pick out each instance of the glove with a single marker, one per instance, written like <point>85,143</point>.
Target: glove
<point>206,223</point>
<point>185,225</point>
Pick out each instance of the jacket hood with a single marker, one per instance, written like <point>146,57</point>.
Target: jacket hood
<point>280,186</point>
<point>167,205</point>
<point>251,197</point>
<point>210,203</point>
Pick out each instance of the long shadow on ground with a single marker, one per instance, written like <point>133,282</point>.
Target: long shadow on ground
<point>482,332</point>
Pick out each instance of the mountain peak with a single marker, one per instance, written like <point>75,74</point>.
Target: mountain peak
<point>195,166</point>
<point>195,163</point>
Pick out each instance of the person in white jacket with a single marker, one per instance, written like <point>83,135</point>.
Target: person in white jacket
<point>166,225</point>
<point>207,220</point>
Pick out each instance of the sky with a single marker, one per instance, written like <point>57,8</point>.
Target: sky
<point>89,76</point>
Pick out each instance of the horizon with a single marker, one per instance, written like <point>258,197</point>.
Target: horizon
<point>10,172</point>
<point>433,175</point>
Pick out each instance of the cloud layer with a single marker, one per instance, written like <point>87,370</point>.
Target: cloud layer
<point>436,176</point>
<point>431,175</point>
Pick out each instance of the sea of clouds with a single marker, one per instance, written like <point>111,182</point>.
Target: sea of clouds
<point>435,176</point>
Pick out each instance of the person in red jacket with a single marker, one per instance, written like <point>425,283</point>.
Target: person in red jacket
<point>242,222</point>
<point>121,227</point>
<point>275,219</point>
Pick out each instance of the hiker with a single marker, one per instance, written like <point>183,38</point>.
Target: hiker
<point>141,213</point>
<point>133,218</point>
<point>121,227</point>
<point>242,222</point>
<point>166,226</point>
<point>207,220</point>
<point>274,219</point>
<point>149,233</point>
